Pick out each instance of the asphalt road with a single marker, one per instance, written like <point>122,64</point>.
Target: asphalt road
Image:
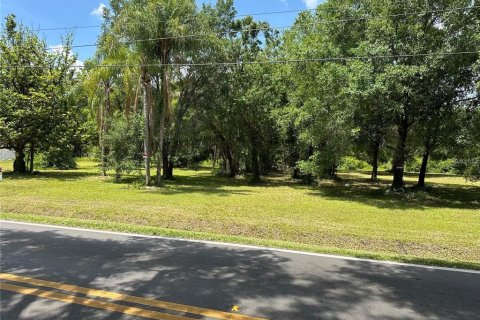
<point>203,277</point>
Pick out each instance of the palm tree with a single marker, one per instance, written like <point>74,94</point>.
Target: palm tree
<point>158,30</point>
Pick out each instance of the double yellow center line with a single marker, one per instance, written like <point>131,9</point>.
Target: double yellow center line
<point>100,304</point>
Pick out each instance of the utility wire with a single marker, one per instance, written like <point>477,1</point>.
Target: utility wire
<point>236,16</point>
<point>259,62</point>
<point>365,18</point>
<point>68,28</point>
<point>99,25</point>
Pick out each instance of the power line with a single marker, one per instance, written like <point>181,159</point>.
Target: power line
<point>365,18</point>
<point>68,28</point>
<point>236,16</point>
<point>310,24</point>
<point>259,62</point>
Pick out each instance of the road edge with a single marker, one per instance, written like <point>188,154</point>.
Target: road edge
<point>244,246</point>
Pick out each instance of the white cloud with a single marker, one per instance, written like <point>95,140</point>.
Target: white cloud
<point>58,48</point>
<point>285,2</point>
<point>98,11</point>
<point>311,4</point>
<point>79,63</point>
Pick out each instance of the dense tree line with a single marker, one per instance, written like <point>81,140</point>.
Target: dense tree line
<point>173,83</point>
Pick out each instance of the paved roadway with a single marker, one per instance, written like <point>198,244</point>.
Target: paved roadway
<point>205,278</point>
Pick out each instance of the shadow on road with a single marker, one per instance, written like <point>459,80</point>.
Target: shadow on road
<point>264,283</point>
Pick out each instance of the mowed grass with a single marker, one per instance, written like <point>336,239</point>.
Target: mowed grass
<point>351,217</point>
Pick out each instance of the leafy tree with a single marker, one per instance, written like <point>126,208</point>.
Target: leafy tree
<point>371,117</point>
<point>33,84</point>
<point>324,119</point>
<point>166,21</point>
<point>411,78</point>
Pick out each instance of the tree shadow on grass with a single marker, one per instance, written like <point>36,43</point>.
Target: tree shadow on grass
<point>60,175</point>
<point>378,195</point>
<point>274,285</point>
<point>438,195</point>
<point>208,184</point>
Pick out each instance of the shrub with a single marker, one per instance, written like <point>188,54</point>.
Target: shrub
<point>59,157</point>
<point>352,163</point>
<point>124,142</point>
<point>451,166</point>
<point>414,164</point>
<point>320,164</point>
<point>441,166</point>
<point>472,171</point>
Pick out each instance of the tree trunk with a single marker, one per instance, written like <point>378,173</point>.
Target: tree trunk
<point>167,169</point>
<point>101,139</point>
<point>167,164</point>
<point>165,108</point>
<point>19,165</point>
<point>255,163</point>
<point>224,162</point>
<point>293,155</point>
<point>104,110</point>
<point>32,154</point>
<point>423,168</point>
<point>399,157</point>
<point>232,169</point>
<point>376,150</point>
<point>146,117</point>
<point>333,171</point>
<point>229,161</point>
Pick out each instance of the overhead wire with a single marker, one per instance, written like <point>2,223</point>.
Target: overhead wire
<point>236,16</point>
<point>283,27</point>
<point>284,61</point>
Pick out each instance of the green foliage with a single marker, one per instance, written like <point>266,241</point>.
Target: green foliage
<point>472,171</point>
<point>123,141</point>
<point>58,157</point>
<point>319,165</point>
<point>442,166</point>
<point>435,166</point>
<point>34,100</point>
<point>352,163</point>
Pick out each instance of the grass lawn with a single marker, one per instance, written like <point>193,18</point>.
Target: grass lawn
<point>441,226</point>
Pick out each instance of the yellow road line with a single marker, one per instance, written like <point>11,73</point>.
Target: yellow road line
<point>127,298</point>
<point>91,302</point>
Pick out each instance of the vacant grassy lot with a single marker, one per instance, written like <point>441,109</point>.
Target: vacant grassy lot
<point>441,226</point>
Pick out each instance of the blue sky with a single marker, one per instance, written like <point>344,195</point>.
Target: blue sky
<point>66,13</point>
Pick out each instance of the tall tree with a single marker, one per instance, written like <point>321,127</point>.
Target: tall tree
<point>438,29</point>
<point>32,89</point>
<point>164,24</point>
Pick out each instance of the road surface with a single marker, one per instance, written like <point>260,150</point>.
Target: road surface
<point>65,273</point>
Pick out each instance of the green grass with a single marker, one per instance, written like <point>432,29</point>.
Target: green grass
<point>441,226</point>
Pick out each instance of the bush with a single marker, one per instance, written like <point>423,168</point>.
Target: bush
<point>320,164</point>
<point>472,171</point>
<point>441,166</point>
<point>451,166</point>
<point>124,142</point>
<point>60,158</point>
<point>414,164</point>
<point>352,163</point>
